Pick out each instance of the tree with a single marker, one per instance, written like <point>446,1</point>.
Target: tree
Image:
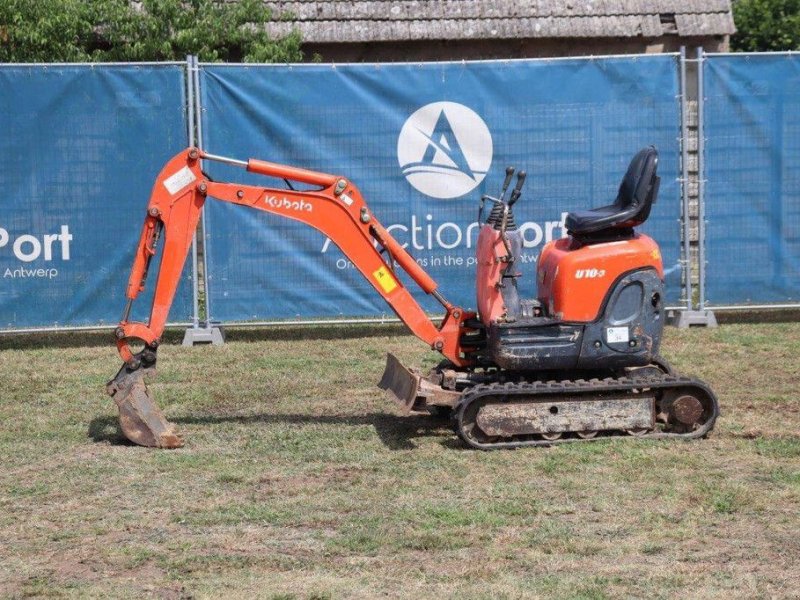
<point>766,25</point>
<point>119,30</point>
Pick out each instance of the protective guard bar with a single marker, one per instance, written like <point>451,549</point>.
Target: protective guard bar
<point>336,209</point>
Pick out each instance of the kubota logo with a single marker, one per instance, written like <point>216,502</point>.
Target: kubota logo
<point>445,150</point>
<point>589,273</point>
<point>285,203</point>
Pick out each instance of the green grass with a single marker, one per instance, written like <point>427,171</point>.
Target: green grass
<point>299,480</point>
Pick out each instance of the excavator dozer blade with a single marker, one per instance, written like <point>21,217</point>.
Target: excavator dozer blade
<point>140,419</point>
<point>399,383</point>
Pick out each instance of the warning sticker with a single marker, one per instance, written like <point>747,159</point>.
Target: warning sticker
<point>656,254</point>
<point>178,181</point>
<point>385,279</point>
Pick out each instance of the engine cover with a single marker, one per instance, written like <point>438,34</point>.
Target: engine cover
<point>627,333</point>
<point>574,278</point>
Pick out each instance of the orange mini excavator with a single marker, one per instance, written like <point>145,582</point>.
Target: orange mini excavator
<point>579,362</point>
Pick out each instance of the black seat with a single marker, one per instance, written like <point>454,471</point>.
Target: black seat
<point>635,197</point>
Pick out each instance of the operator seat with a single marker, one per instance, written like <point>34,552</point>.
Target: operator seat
<point>636,195</point>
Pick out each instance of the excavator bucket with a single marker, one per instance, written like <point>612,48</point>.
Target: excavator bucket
<point>414,392</point>
<point>399,382</point>
<point>141,421</point>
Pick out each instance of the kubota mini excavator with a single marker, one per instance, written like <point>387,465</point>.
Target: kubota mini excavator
<point>579,362</point>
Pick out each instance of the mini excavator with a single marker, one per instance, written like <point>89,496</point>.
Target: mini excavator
<point>579,362</point>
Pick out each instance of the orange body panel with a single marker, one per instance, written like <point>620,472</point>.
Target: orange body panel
<point>490,252</point>
<point>573,279</point>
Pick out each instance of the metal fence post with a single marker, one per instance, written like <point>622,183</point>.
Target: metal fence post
<point>701,188</point>
<point>207,333</point>
<point>190,137</point>
<point>687,271</point>
<point>689,316</point>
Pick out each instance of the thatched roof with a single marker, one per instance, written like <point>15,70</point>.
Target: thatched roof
<point>326,21</point>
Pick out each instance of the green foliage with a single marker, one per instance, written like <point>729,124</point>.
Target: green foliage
<point>117,30</point>
<point>45,30</point>
<point>764,25</point>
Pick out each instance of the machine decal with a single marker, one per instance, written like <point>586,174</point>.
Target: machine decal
<point>385,279</point>
<point>178,181</point>
<point>589,273</point>
<point>617,335</point>
<point>297,205</point>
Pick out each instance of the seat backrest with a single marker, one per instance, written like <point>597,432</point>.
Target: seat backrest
<point>639,188</point>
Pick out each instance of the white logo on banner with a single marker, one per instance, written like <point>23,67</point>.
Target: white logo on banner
<point>28,248</point>
<point>444,150</point>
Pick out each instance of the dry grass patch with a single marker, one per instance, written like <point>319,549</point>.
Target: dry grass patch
<point>299,480</point>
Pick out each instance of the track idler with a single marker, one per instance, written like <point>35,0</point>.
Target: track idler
<point>140,419</point>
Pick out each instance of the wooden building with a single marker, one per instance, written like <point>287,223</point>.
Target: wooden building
<point>413,30</point>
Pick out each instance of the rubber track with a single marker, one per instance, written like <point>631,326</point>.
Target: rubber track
<point>582,386</point>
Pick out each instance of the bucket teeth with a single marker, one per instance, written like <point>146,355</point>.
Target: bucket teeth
<point>140,419</point>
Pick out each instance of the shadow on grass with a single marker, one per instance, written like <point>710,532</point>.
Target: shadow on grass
<point>107,430</point>
<point>758,316</point>
<point>72,339</point>
<point>318,332</point>
<point>396,433</point>
<point>174,335</point>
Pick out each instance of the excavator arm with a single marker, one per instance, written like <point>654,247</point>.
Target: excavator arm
<point>334,207</point>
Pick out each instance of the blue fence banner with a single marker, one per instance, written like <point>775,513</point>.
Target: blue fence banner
<point>80,149</point>
<point>423,142</point>
<point>752,168</point>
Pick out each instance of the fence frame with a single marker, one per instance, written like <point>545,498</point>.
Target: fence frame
<point>190,127</point>
<point>688,315</point>
<point>200,332</point>
<point>703,56</point>
<point>204,329</point>
<point>387,318</point>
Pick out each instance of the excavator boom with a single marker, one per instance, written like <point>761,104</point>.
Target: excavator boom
<point>334,207</point>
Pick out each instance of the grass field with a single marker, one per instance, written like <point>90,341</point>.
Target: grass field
<point>300,480</point>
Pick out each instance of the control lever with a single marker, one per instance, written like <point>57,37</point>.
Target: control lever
<point>517,189</point>
<point>509,175</point>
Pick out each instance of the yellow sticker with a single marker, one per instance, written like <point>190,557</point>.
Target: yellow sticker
<point>656,254</point>
<point>385,279</point>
